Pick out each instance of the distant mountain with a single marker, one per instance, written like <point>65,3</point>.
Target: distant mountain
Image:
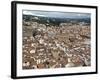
<point>54,21</point>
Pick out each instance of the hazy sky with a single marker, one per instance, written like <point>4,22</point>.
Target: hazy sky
<point>57,14</point>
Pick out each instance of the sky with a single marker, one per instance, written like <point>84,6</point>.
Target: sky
<point>57,14</point>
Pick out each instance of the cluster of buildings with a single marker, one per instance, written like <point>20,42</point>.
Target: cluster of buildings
<point>56,46</point>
